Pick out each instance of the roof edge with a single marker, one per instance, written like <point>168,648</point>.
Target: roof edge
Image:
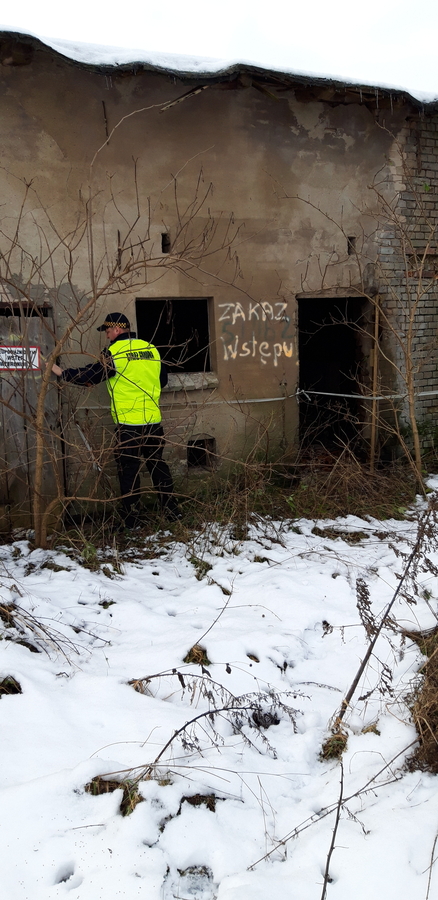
<point>108,59</point>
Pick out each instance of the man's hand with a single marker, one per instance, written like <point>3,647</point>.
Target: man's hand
<point>57,369</point>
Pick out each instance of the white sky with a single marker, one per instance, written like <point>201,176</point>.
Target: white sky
<point>381,43</point>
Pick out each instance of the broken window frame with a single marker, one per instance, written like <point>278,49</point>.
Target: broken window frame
<point>179,330</point>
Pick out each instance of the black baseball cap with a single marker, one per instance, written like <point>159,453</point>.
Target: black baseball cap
<point>113,319</point>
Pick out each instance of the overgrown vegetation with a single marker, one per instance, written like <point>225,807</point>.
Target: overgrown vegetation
<point>249,715</point>
<point>316,484</point>
<point>319,486</point>
<point>425,703</point>
<point>329,487</point>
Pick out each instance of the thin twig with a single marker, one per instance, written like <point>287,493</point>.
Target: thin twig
<point>420,534</point>
<point>432,862</point>
<point>328,810</point>
<point>334,832</point>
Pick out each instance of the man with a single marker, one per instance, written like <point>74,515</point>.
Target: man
<point>134,376</point>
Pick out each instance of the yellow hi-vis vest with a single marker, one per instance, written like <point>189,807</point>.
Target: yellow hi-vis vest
<point>135,389</point>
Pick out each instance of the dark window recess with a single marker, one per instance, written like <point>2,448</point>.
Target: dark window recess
<point>331,361</point>
<point>179,329</point>
<point>201,453</point>
<point>25,310</point>
<point>351,245</point>
<point>166,245</point>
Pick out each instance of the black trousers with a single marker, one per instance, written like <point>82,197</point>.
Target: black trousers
<point>134,442</point>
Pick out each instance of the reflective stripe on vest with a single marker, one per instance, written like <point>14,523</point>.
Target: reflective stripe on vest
<point>135,389</point>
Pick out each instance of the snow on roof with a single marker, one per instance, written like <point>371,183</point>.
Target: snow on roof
<point>108,56</point>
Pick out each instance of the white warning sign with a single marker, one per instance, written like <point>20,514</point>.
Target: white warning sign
<point>23,358</point>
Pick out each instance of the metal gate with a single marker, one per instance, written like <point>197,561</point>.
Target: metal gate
<point>22,328</point>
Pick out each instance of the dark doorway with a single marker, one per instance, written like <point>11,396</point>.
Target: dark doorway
<point>179,328</point>
<point>331,333</point>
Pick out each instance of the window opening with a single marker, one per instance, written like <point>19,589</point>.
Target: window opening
<point>165,242</point>
<point>351,245</point>
<point>27,310</point>
<point>201,453</point>
<point>179,328</point>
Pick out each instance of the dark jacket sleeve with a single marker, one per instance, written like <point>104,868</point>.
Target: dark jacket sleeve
<point>95,373</point>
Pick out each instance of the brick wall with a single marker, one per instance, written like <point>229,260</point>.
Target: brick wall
<point>407,284</point>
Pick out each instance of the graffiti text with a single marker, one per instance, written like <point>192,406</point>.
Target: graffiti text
<point>258,311</point>
<point>264,350</point>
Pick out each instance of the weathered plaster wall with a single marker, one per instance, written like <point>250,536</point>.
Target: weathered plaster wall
<point>289,168</point>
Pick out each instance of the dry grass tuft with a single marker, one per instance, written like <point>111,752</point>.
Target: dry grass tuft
<point>208,800</point>
<point>141,685</point>
<point>7,611</point>
<point>425,705</point>
<point>335,534</point>
<point>130,799</point>
<point>202,567</point>
<point>197,655</point>
<point>371,729</point>
<point>334,746</point>
<point>9,685</point>
<point>329,487</point>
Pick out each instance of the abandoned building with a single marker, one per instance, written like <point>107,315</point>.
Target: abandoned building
<point>270,233</point>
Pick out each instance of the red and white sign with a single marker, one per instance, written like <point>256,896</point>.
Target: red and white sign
<point>21,358</point>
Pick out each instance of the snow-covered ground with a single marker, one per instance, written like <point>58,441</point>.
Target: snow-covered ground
<point>279,618</point>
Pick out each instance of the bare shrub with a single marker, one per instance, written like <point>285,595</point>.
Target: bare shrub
<point>249,715</point>
<point>425,703</point>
